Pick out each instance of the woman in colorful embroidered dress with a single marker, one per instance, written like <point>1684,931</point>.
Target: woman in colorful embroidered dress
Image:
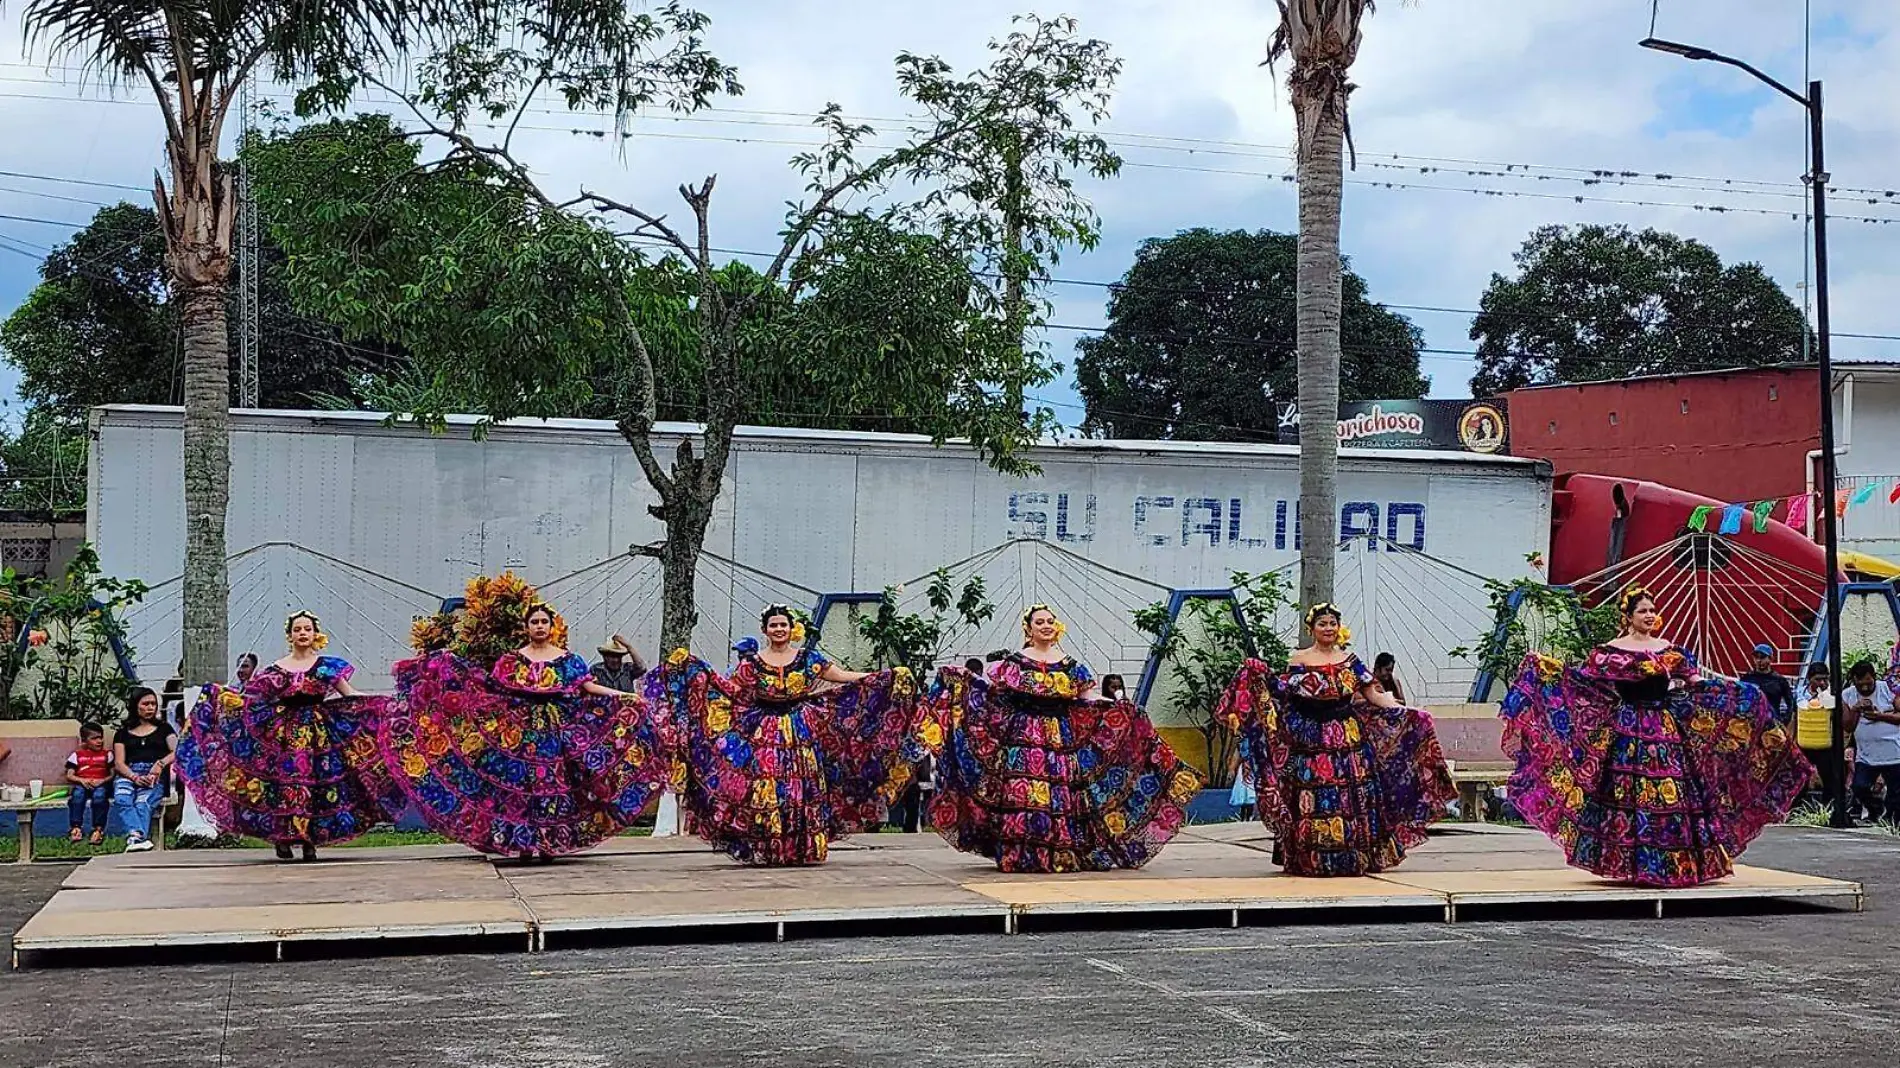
<point>1037,776</point>
<point>779,764</point>
<point>528,756</point>
<point>1346,777</point>
<point>290,755</point>
<point>1640,768</point>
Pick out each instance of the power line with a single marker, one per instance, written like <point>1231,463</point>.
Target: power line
<point>1588,176</point>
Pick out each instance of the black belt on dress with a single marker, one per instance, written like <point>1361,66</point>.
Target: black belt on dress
<point>1315,708</point>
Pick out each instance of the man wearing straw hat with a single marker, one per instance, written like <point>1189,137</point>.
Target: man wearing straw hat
<point>620,667</point>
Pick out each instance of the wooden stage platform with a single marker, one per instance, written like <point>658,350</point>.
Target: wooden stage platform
<point>244,898</point>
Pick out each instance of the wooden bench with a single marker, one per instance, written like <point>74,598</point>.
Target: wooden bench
<point>24,811</point>
<point>40,747</point>
<point>1476,781</point>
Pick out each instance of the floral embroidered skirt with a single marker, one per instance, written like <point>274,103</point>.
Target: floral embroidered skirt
<point>1346,787</point>
<point>287,771</point>
<point>1043,785</point>
<point>1662,793</point>
<point>519,775</point>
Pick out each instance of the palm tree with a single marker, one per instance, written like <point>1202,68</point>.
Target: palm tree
<point>192,55</point>
<point>1322,39</point>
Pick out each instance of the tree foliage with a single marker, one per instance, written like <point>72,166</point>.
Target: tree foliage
<point>43,464</point>
<point>542,294</point>
<point>1201,342</point>
<point>1592,303</point>
<point>915,640</point>
<point>101,328</point>
<point>97,329</point>
<point>67,669</point>
<point>1206,649</point>
<point>1529,615</point>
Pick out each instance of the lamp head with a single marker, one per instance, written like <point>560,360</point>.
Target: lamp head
<point>1657,44</point>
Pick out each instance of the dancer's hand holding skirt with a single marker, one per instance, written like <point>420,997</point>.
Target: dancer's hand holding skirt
<point>777,769</point>
<point>1039,780</point>
<point>519,760</point>
<point>285,760</point>
<point>1643,772</point>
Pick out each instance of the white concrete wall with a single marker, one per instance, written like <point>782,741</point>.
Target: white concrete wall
<point>825,512</point>
<point>1874,456</point>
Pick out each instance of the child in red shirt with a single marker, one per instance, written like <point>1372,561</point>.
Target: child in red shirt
<point>89,771</point>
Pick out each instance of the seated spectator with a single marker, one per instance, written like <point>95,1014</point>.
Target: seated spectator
<point>89,773</point>
<point>246,667</point>
<point>142,752</point>
<point>1385,668</point>
<point>974,665</point>
<point>1113,688</point>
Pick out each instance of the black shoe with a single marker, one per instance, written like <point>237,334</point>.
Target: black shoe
<point>283,851</point>
<point>309,851</point>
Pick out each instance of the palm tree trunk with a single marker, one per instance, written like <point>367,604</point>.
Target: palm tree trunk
<point>1321,175</point>
<point>207,451</point>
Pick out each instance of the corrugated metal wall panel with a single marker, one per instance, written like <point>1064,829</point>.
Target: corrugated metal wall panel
<point>815,512</point>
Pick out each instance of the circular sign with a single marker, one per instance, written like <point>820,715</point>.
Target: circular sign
<point>1481,428</point>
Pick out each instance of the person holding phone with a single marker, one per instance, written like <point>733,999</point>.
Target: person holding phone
<point>1876,726</point>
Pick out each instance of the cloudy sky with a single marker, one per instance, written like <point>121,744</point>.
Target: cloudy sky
<point>1549,90</point>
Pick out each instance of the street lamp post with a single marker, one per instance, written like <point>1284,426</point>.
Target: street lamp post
<point>1824,510</point>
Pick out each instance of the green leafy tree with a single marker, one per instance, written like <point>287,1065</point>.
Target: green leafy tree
<point>1593,303</point>
<point>1206,651</point>
<point>98,329</point>
<point>518,313</point>
<point>43,464</point>
<point>1202,341</point>
<point>1532,616</point>
<point>915,640</point>
<point>67,668</point>
<point>192,56</point>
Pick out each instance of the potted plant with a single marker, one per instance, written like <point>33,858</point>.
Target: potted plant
<point>1202,650</point>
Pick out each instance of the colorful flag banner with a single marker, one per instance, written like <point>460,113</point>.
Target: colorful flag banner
<point>1798,510</point>
<point>1764,512</point>
<point>1864,494</point>
<point>1731,519</point>
<point>1894,498</point>
<point>1699,518</point>
<point>1840,503</point>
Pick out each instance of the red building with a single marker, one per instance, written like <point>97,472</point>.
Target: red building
<point>1734,435</point>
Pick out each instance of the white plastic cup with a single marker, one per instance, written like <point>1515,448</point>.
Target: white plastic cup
<point>34,788</point>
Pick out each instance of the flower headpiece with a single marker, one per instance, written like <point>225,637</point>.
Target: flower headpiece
<point>1030,613</point>
<point>323,640</point>
<point>1328,608</point>
<point>798,625</point>
<point>1631,595</point>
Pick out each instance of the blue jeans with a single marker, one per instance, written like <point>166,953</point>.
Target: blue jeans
<point>135,802</point>
<point>1864,778</point>
<point>98,798</point>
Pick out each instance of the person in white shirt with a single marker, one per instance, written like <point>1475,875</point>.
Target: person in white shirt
<point>1876,719</point>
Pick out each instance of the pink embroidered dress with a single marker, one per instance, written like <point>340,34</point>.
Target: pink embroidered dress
<point>1346,786</point>
<point>1642,771</point>
<point>518,760</point>
<point>287,759</point>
